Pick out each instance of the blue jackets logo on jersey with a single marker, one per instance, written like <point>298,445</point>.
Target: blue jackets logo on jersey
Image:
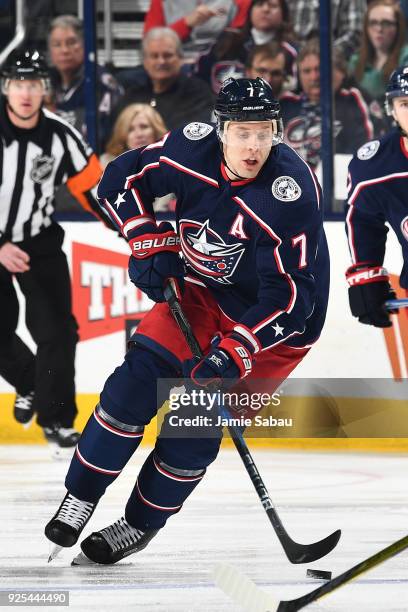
<point>42,168</point>
<point>197,130</point>
<point>206,252</point>
<point>368,150</point>
<point>286,189</point>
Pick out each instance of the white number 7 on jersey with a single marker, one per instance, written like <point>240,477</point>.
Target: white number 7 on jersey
<point>301,240</point>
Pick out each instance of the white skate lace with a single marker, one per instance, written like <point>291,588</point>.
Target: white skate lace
<point>24,402</point>
<point>74,512</point>
<point>120,534</point>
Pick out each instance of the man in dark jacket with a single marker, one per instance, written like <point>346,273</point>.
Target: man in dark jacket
<point>178,98</point>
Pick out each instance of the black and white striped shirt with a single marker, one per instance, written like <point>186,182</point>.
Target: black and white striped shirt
<point>33,164</point>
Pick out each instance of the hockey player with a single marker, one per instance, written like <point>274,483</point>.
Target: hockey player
<point>38,151</point>
<point>377,193</point>
<point>249,225</point>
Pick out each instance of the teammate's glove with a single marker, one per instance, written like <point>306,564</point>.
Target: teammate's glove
<point>369,289</point>
<point>155,258</point>
<point>230,357</point>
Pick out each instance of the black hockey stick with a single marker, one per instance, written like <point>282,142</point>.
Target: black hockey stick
<point>240,588</point>
<point>295,552</point>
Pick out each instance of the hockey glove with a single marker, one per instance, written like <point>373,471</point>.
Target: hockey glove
<point>230,357</point>
<point>369,289</point>
<point>155,258</point>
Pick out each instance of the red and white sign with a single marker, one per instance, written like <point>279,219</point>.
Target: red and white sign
<point>103,296</point>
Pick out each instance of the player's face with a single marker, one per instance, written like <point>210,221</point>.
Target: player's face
<point>271,69</point>
<point>25,97</point>
<point>161,59</point>
<point>266,15</point>
<point>400,112</point>
<point>309,75</point>
<point>141,132</point>
<point>247,146</point>
<point>382,28</point>
<point>66,49</point>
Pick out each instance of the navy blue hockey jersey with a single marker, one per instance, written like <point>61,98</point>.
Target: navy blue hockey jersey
<point>258,245</point>
<point>377,193</point>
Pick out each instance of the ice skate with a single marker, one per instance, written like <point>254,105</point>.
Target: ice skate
<point>23,408</point>
<point>67,524</point>
<point>113,543</point>
<point>62,440</point>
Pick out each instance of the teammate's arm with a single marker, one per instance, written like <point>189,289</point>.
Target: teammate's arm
<point>368,281</point>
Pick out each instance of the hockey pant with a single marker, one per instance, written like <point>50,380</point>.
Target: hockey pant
<point>173,469</point>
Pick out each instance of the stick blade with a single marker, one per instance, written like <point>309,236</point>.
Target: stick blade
<point>242,590</point>
<point>307,553</point>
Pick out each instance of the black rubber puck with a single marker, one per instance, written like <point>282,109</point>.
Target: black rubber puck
<point>318,574</point>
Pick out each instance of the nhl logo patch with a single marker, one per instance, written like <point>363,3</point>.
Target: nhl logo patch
<point>286,189</point>
<point>368,150</point>
<point>42,168</point>
<point>404,228</point>
<point>197,130</point>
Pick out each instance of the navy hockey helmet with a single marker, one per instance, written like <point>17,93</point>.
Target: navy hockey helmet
<point>397,87</point>
<point>25,65</point>
<point>248,100</point>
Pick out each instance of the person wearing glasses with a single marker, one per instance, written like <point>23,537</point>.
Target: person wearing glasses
<point>302,113</point>
<point>268,62</point>
<point>66,48</point>
<point>268,20</point>
<point>383,47</point>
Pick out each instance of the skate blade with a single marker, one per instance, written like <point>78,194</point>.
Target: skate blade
<point>82,559</point>
<point>54,550</point>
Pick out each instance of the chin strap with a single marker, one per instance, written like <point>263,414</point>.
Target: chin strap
<point>241,178</point>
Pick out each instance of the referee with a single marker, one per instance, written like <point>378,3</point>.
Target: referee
<point>38,152</point>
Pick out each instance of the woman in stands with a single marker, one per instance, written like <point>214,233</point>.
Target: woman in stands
<point>268,20</point>
<point>383,47</point>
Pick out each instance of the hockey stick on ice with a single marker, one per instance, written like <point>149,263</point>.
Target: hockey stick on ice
<point>295,552</point>
<point>251,598</point>
<point>393,304</point>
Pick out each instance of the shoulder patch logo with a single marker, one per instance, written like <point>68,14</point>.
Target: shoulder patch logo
<point>404,228</point>
<point>368,150</point>
<point>286,189</point>
<point>197,130</point>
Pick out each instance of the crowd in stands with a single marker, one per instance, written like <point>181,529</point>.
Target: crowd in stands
<point>190,47</point>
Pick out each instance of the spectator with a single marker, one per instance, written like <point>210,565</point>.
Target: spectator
<point>302,114</point>
<point>66,46</point>
<point>196,23</point>
<point>176,97</point>
<point>268,20</point>
<point>267,62</point>
<point>347,20</point>
<point>383,47</point>
<point>138,125</point>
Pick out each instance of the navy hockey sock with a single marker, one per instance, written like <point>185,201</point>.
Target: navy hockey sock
<point>104,448</point>
<point>159,492</point>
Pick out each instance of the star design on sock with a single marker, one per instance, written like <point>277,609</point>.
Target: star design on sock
<point>120,199</point>
<point>278,329</point>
